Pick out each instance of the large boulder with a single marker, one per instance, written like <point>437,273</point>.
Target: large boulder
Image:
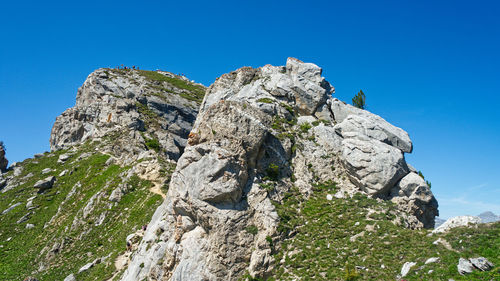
<point>373,166</point>
<point>354,121</point>
<point>45,184</point>
<point>414,196</point>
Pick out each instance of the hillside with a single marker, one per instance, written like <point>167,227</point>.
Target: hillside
<point>264,175</point>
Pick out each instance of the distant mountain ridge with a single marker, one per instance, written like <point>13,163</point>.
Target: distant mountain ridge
<point>485,217</point>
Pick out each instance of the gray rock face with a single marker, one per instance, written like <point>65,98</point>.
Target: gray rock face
<point>372,165</point>
<point>413,195</point>
<point>354,121</point>
<point>243,130</point>
<point>3,161</point>
<point>129,107</point>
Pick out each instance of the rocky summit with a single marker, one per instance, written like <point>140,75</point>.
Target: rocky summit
<point>262,176</point>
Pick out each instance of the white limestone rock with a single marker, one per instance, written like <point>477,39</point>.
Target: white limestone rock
<point>464,266</point>
<point>353,121</point>
<point>406,268</point>
<point>119,104</point>
<point>457,222</point>
<point>373,166</point>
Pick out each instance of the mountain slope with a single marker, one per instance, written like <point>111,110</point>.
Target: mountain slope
<point>261,133</point>
<point>266,176</point>
<point>114,153</point>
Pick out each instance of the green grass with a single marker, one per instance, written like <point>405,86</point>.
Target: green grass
<point>304,127</point>
<point>153,144</point>
<point>252,229</point>
<point>27,250</point>
<point>265,100</point>
<point>319,234</point>
<point>194,92</point>
<point>150,118</point>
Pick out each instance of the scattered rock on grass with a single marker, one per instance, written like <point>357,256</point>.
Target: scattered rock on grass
<point>46,183</point>
<point>406,268</point>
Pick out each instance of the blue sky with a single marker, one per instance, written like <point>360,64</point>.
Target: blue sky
<point>430,67</point>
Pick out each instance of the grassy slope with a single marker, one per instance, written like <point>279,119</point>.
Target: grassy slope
<point>192,91</point>
<point>323,249</point>
<point>20,257</point>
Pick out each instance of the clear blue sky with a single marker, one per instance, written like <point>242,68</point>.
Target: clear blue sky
<point>430,67</point>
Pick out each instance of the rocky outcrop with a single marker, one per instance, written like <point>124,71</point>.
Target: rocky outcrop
<point>3,161</point>
<point>135,109</point>
<point>413,196</point>
<point>259,133</point>
<point>457,222</point>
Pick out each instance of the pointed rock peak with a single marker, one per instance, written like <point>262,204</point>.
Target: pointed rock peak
<point>299,68</point>
<point>298,84</point>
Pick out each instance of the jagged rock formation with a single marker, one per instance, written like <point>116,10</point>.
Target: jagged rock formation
<point>3,161</point>
<point>253,192</point>
<point>111,160</point>
<point>259,133</point>
<point>134,107</point>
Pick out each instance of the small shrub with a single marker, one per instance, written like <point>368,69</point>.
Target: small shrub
<point>273,171</point>
<point>153,144</point>
<point>288,108</point>
<point>359,100</point>
<point>265,100</point>
<point>252,229</point>
<point>304,127</point>
<point>267,186</point>
<point>269,240</point>
<point>350,272</point>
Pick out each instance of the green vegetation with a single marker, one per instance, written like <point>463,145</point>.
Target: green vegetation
<point>273,172</point>
<point>2,146</point>
<point>325,240</point>
<point>304,127</point>
<point>265,100</point>
<point>192,91</point>
<point>359,100</point>
<point>71,239</point>
<point>150,118</point>
<point>152,143</point>
<point>350,273</point>
<point>252,229</point>
<point>288,108</point>
<point>426,181</point>
<point>268,186</point>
